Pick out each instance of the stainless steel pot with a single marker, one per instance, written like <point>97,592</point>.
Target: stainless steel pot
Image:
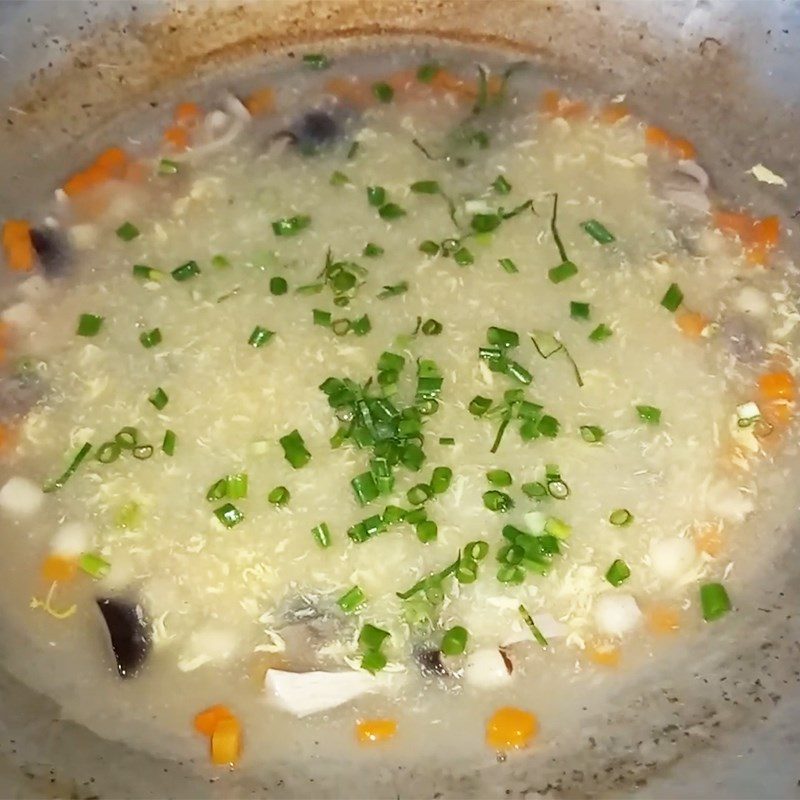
<point>705,723</point>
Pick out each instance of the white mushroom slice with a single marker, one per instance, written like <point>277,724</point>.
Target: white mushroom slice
<point>672,557</point>
<point>616,613</point>
<point>487,669</point>
<point>305,693</point>
<point>70,540</point>
<point>21,497</point>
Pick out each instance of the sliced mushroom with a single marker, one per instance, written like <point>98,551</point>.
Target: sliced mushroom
<point>316,129</point>
<point>129,632</point>
<point>430,661</point>
<point>305,693</point>
<point>20,392</point>
<point>52,249</point>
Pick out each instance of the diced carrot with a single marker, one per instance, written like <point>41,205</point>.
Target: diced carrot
<point>351,91</point>
<point>604,655</point>
<point>206,721</point>
<point>177,137</point>
<point>186,114</point>
<point>708,538</point>
<point>777,386</point>
<point>467,88</point>
<point>226,741</point>
<point>17,244</point>
<point>113,162</point>
<point>511,728</point>
<point>613,112</point>
<point>691,323</point>
<point>663,619</point>
<point>403,81</point>
<point>5,431</point>
<point>135,172</point>
<point>554,104</point>
<point>374,731</point>
<point>758,237</point>
<point>675,146</point>
<point>58,568</point>
<point>261,101</point>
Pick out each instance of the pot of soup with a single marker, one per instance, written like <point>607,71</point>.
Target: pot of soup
<point>399,399</point>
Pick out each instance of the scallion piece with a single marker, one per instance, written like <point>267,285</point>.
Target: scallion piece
<point>528,620</point>
<point>427,530</point>
<point>714,601</point>
<point>167,167</point>
<point>220,261</point>
<point>260,336</point>
<point>463,257</point>
<point>376,196</point>
<point>618,572</point>
<point>578,310</point>
<point>429,247</point>
<point>440,479</point>
<point>127,232</point>
<point>290,226</point>
<point>393,290</point>
<point>601,333</point>
<point>499,477</point>
<point>170,440</point>
<point>143,451</point>
<point>316,60</point>
<point>147,273</point>
<point>383,92</point>
<point>89,325</point>
<point>485,223</point>
<point>419,494</point>
<point>365,488</point>
<point>416,515</point>
<point>390,211</point>
<point>672,298</point>
<point>447,440</point>
<point>361,326</point>
<point>237,486</point>
<point>425,187</point>
<point>229,515</point>
<point>511,574</point>
<point>516,371</point>
<point>338,178</point>
<point>508,265</point>
<point>592,433</point>
<point>94,565</point>
<point>372,250</point>
<point>649,414</point>
<point>454,641</point>
<point>372,638</point>
<point>557,527</point>
<point>497,501</point>
<point>127,438</point>
<point>54,485</point>
<point>565,270</point>
<point>478,406</point>
<point>278,285</point>
<point>294,449</point>
<point>502,337</point>
<point>185,271</point>
<point>432,327</point>
<point>108,452</point>
<point>427,72</point>
<point>351,599</point>
<point>158,398</point>
<point>501,185</point>
<point>620,517</point>
<point>279,496</point>
<point>322,317</point>
<point>534,489</point>
<point>322,534</point>
<point>150,338</point>
<point>373,661</point>
<point>598,231</point>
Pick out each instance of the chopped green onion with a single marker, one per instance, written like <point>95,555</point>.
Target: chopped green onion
<point>373,661</point>
<point>447,440</point>
<point>393,291</point>
<point>478,406</point>
<point>429,247</point>
<point>338,178</point>
<point>260,336</point>
<point>620,517</point>
<point>511,574</point>
<point>600,333</point>
<point>556,486</point>
<point>418,494</point>
<point>89,325</point>
<point>463,257</point>
<point>508,265</point>
<point>427,530</point>
<point>485,223</point>
<point>592,433</point>
<point>501,185</point>
<point>150,338</point>
<point>219,261</point>
<point>376,196</point>
<point>351,153</point>
<point>237,486</point>
<point>167,167</point>
<point>528,620</point>
<point>390,211</point>
<point>427,72</point>
<point>322,317</point>
<point>168,445</point>
<point>310,288</point>
<point>143,451</point>
<point>217,490</point>
<point>322,534</point>
<point>278,285</point>
<point>515,370</point>
<point>58,483</point>
<point>279,496</point>
<point>497,501</point>
<point>557,527</point>
<point>365,488</point>
<point>148,273</point>
<point>294,449</point>
<point>361,326</point>
<point>383,92</point>
<point>440,479</point>
<point>578,310</point>
<point>618,572</point>
<point>393,514</point>
<point>714,600</point>
<point>672,298</point>
<point>598,231</point>
<point>554,230</point>
<point>390,361</point>
<point>534,489</point>
<point>351,599</point>
<point>185,271</point>
<point>649,414</point>
<point>290,226</point>
<point>372,638</point>
<point>501,337</point>
<point>108,452</point>
<point>416,515</point>
<point>229,515</point>
<point>565,270</point>
<point>127,231</point>
<point>127,516</point>
<point>94,565</point>
<point>425,187</point>
<point>499,477</point>
<point>127,438</point>
<point>158,398</point>
<point>454,641</point>
<point>548,426</point>
<point>432,327</point>
<point>372,250</point>
<point>316,60</point>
